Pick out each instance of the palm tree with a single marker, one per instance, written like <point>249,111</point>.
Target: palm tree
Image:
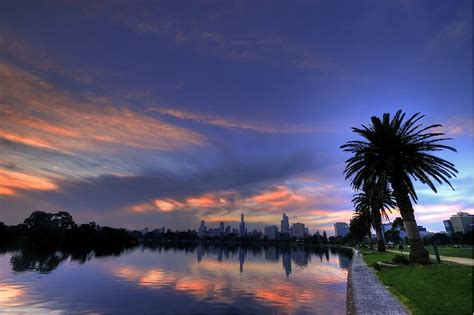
<point>375,204</point>
<point>359,227</point>
<point>398,151</point>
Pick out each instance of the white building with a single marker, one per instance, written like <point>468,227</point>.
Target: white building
<point>271,232</point>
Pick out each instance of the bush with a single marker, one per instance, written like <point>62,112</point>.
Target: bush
<point>401,259</point>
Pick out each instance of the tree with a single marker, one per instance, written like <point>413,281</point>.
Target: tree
<point>38,219</point>
<point>375,204</point>
<point>63,220</point>
<point>398,151</point>
<point>397,224</point>
<point>359,226</point>
<point>392,235</point>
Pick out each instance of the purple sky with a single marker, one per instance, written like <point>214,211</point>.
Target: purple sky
<point>140,113</point>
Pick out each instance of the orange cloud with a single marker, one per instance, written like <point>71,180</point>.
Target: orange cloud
<point>38,114</point>
<point>206,201</point>
<point>166,205</point>
<point>11,181</point>
<point>281,196</point>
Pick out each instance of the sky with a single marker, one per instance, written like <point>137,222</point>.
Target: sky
<point>148,114</point>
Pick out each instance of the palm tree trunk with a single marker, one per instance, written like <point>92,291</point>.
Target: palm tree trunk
<point>380,240</point>
<point>418,252</point>
<point>377,223</point>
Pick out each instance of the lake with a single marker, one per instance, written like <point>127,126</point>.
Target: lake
<point>198,279</point>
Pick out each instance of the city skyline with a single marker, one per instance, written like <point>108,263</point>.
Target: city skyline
<point>132,116</point>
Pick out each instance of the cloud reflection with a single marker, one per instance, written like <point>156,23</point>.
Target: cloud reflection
<point>219,280</point>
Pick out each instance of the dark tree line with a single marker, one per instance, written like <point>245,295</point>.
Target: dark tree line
<point>58,231</point>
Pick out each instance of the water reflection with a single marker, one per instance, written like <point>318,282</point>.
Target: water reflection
<point>184,278</point>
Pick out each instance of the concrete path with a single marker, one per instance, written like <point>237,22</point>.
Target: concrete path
<point>366,294</point>
<point>457,260</point>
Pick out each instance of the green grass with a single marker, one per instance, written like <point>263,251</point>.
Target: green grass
<point>464,252</point>
<point>433,289</point>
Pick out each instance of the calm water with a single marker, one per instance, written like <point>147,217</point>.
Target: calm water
<point>196,279</point>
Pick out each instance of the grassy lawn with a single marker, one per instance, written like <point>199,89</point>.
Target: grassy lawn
<point>433,289</point>
<point>465,252</point>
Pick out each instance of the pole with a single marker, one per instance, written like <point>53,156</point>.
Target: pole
<point>435,247</point>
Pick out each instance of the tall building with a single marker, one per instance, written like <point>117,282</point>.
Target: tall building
<point>221,227</point>
<point>448,226</point>
<point>341,229</point>
<point>202,228</point>
<point>298,230</point>
<point>462,222</point>
<point>242,229</point>
<point>227,230</point>
<point>271,232</point>
<point>285,224</point>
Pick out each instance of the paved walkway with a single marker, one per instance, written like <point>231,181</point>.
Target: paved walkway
<point>457,260</point>
<point>366,294</point>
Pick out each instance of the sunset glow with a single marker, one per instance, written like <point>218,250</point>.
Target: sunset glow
<point>178,124</point>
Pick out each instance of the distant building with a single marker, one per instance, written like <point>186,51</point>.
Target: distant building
<point>285,224</point>
<point>242,228</point>
<point>235,231</point>
<point>448,226</point>
<point>227,230</point>
<point>221,227</point>
<point>298,230</point>
<point>423,232</point>
<point>462,222</point>
<point>202,228</point>
<point>341,229</point>
<point>271,232</point>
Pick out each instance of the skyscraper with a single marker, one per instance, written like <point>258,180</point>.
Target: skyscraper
<point>202,228</point>
<point>285,224</point>
<point>341,229</point>
<point>221,227</point>
<point>242,229</point>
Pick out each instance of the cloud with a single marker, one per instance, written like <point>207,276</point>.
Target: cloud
<point>19,50</point>
<point>11,181</point>
<point>458,126</point>
<point>215,35</point>
<point>36,113</point>
<point>232,123</point>
<point>318,206</point>
<point>454,34</point>
<point>179,198</point>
